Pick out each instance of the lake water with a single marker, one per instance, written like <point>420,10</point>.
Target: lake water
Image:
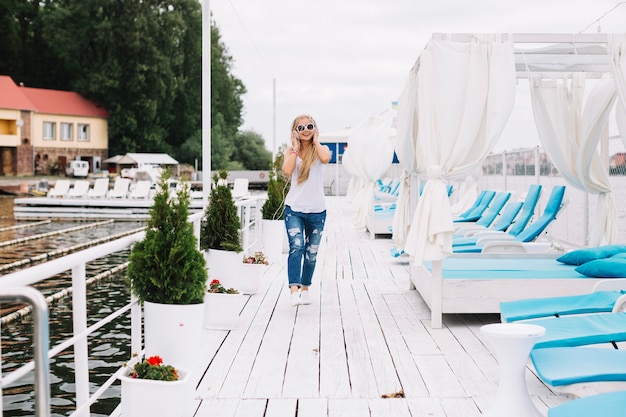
<point>109,347</point>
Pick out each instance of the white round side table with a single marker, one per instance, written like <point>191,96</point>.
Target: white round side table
<point>512,343</point>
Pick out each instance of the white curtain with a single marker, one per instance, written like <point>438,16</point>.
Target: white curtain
<point>618,70</point>
<point>466,94</point>
<point>570,135</point>
<point>370,149</point>
<point>404,142</point>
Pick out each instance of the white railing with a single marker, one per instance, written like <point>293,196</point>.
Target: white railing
<point>249,212</point>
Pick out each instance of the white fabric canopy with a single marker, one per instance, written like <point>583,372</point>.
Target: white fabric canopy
<point>370,150</point>
<point>404,142</point>
<point>617,63</point>
<point>570,135</point>
<point>465,95</point>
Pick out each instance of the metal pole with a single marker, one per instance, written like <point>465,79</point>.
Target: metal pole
<point>40,341</point>
<point>274,148</point>
<point>206,101</point>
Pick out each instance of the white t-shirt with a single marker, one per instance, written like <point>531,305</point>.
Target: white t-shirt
<point>307,197</point>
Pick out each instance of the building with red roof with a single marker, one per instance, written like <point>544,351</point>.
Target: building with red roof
<point>41,130</point>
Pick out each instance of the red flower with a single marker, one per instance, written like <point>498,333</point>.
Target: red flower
<point>154,360</point>
<point>215,282</point>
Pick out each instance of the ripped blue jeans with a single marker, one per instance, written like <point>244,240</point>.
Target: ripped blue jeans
<point>304,231</point>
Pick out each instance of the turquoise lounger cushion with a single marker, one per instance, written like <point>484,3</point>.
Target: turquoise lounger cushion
<point>532,308</point>
<point>566,366</point>
<point>581,256</point>
<point>608,404</point>
<point>604,268</point>
<point>580,330</point>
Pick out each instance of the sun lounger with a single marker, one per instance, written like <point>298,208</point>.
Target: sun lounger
<point>581,330</point>
<point>478,283</point>
<point>120,188</point>
<point>100,188</point>
<point>517,224</point>
<point>506,243</point>
<point>80,189</point>
<point>609,404</point>
<point>561,366</point>
<point>61,187</point>
<point>607,296</point>
<point>141,190</point>
<point>479,206</point>
<point>490,213</point>
<point>467,235</point>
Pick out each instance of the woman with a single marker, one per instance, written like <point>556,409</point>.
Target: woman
<point>305,206</point>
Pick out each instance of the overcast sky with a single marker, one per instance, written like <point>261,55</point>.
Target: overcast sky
<point>343,61</point>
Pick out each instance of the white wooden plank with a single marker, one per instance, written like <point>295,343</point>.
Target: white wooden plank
<point>312,407</point>
<point>396,407</point>
<point>334,377</point>
<point>236,380</point>
<point>429,406</point>
<point>383,367</point>
<point>281,407</point>
<point>301,377</point>
<point>249,408</point>
<point>348,408</point>
<point>438,377</point>
<point>217,407</point>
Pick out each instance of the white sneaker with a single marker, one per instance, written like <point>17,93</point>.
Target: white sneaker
<point>295,298</point>
<point>305,297</point>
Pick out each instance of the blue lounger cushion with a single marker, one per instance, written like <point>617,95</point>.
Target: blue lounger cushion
<point>613,267</point>
<point>503,268</point>
<point>608,404</point>
<point>566,365</point>
<point>581,256</point>
<point>580,330</point>
<point>593,302</point>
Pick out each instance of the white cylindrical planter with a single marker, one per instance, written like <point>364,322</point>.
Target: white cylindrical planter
<point>144,397</point>
<point>173,332</point>
<point>274,236</point>
<point>224,266</point>
<point>251,277</point>
<point>221,311</point>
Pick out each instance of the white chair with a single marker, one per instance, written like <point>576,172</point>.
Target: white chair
<point>61,188</point>
<point>100,188</point>
<point>80,189</point>
<point>120,188</point>
<point>240,188</point>
<point>141,190</point>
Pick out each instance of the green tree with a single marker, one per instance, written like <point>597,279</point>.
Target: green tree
<point>166,266</point>
<point>251,151</point>
<point>139,59</point>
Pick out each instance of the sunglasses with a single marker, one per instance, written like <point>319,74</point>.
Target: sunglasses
<point>310,126</point>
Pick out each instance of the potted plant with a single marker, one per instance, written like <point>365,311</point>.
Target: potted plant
<point>152,388</point>
<point>167,273</point>
<point>220,233</point>
<point>273,209</point>
<point>221,306</point>
<point>252,269</point>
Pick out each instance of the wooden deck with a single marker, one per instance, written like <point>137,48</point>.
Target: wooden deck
<point>366,336</point>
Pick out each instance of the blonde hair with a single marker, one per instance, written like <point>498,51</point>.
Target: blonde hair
<point>310,156</point>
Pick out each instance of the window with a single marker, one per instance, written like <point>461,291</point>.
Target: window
<point>66,131</point>
<point>83,132</point>
<point>49,130</point>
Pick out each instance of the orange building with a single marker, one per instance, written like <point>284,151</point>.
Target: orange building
<point>40,130</point>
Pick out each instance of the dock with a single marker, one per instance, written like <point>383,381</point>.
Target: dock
<point>364,347</point>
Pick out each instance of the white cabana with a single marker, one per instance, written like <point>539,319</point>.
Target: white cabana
<point>447,73</point>
<point>368,156</point>
<point>465,94</point>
